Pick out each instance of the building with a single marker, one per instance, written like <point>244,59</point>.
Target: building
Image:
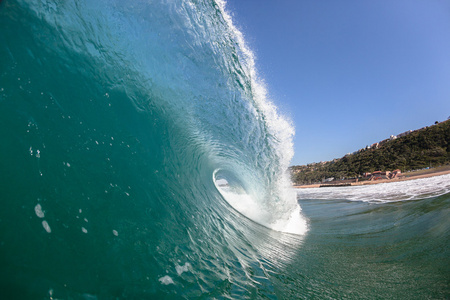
<point>395,174</point>
<point>404,133</point>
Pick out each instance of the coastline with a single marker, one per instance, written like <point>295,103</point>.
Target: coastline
<point>444,170</point>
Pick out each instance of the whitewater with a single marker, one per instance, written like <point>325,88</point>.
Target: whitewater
<point>384,192</point>
<point>141,158</point>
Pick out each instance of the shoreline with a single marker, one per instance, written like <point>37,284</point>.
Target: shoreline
<point>439,171</point>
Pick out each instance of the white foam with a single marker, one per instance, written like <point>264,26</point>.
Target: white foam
<point>166,280</point>
<point>182,269</point>
<point>289,220</point>
<point>383,192</point>
<point>295,223</point>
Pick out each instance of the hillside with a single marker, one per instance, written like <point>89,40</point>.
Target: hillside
<point>426,147</point>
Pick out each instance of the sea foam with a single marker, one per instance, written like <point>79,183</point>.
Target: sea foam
<point>383,192</point>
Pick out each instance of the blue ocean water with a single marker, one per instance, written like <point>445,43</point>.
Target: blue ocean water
<point>141,159</point>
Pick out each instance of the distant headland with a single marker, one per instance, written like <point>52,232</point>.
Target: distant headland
<point>412,154</point>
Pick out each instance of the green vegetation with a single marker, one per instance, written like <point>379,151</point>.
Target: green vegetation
<point>426,147</point>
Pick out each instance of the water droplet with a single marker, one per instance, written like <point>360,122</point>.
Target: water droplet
<point>38,211</point>
<point>46,226</point>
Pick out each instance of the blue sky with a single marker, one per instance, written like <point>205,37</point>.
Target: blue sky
<point>350,73</point>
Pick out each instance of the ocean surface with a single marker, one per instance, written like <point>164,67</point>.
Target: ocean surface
<point>142,159</point>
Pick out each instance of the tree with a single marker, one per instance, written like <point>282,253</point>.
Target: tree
<point>420,149</point>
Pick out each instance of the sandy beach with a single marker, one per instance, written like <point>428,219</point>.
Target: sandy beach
<point>443,170</point>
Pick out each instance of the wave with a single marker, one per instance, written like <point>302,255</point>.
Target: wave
<point>384,192</point>
<point>182,64</point>
<point>123,119</point>
<point>142,159</point>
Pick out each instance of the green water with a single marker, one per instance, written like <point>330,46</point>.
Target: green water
<point>370,251</point>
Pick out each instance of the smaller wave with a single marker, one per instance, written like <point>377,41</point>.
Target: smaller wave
<point>384,192</point>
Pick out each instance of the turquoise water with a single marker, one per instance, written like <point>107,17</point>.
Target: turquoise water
<point>141,159</point>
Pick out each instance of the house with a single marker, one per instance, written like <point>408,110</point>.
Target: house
<point>404,133</point>
<point>395,174</point>
<point>378,175</point>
